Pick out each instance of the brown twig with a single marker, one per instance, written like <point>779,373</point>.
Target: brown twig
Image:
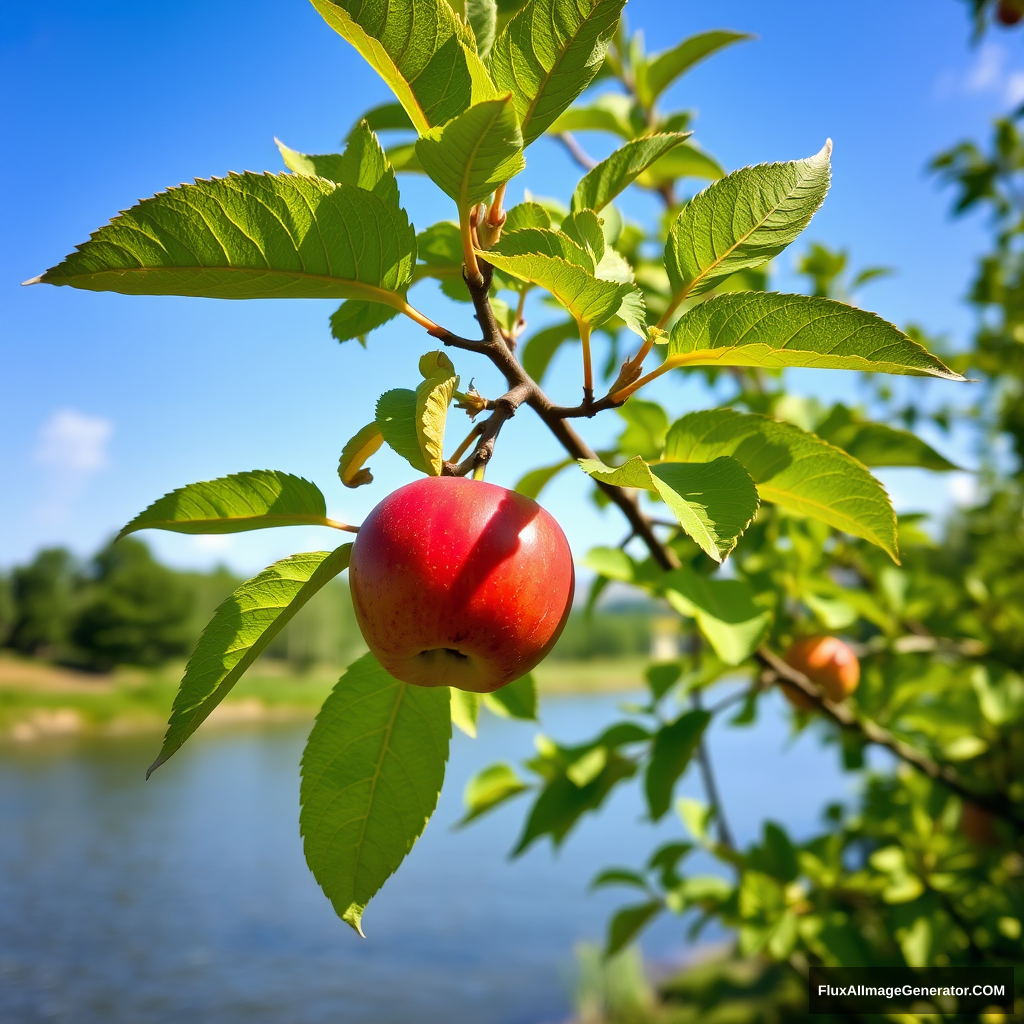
<point>576,151</point>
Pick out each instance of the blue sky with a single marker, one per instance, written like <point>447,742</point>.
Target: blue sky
<point>108,401</point>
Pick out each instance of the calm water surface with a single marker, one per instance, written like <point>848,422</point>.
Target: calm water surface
<point>187,898</point>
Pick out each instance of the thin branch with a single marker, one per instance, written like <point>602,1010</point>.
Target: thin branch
<point>778,670</point>
<point>703,757</point>
<point>576,151</point>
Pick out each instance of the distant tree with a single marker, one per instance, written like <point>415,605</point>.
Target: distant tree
<point>132,610</point>
<point>43,595</point>
<point>8,609</point>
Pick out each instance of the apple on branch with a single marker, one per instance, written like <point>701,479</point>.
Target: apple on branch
<point>458,582</point>
<point>826,661</point>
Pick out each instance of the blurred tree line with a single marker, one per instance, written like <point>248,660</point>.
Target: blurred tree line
<point>122,607</point>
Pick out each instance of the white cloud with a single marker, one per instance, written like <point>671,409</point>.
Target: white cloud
<point>989,75</point>
<point>72,442</point>
<point>72,447</point>
<point>1015,88</point>
<point>987,72</point>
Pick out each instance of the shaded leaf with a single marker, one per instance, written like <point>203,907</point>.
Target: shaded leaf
<point>251,236</point>
<point>233,504</point>
<point>548,53</point>
<point>371,774</point>
<point>491,787</point>
<point>537,479</point>
<point>356,318</point>
<point>542,347</point>
<point>471,155</point>
<point>419,49</point>
<point>465,710</point>
<point>673,748</point>
<point>743,221</point>
<point>387,117</point>
<point>239,632</point>
<point>876,444</point>
<point>773,330</point>
<point>792,469</point>
<point>646,426</point>
<point>610,112</point>
<point>600,185</point>
<point>628,923</point>
<point>355,453</point>
<point>516,700</point>
<point>396,420</point>
<point>713,502</point>
<point>685,161</point>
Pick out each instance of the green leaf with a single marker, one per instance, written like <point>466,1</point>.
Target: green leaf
<point>433,397</point>
<point>363,164</point>
<point>527,215</point>
<point>725,611</point>
<point>516,700</point>
<point>396,420</point>
<point>251,236</point>
<point>612,563</point>
<point>646,426</point>
<point>239,632</point>
<point>355,319</point>
<point>371,774</point>
<point>465,710</point>
<point>713,502</point>
<point>404,159</point>
<point>470,156</point>
<point>542,347</point>
<point>548,53</point>
<point>234,504</point>
<point>685,161</point>
<point>588,299</point>
<point>584,228</point>
<point>537,479</point>
<point>482,16</point>
<point>420,49</point>
<point>491,787</point>
<point>662,70</point>
<point>603,183</point>
<point>743,221</point>
<point>610,112</point>
<point>792,469</point>
<point>355,453</point>
<point>876,444</point>
<point>620,876</point>
<point>387,117</point>
<point>772,330</point>
<point>628,923</point>
<point>673,748</point>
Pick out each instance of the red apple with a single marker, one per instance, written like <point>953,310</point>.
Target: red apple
<point>827,661</point>
<point>458,582</point>
<point>1009,12</point>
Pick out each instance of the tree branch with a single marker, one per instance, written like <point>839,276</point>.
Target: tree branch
<point>576,151</point>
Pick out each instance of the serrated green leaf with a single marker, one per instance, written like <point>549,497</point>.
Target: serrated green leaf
<point>673,748</point>
<point>548,53</point>
<point>257,500</point>
<point>355,319</point>
<point>876,444</point>
<point>465,710</point>
<point>239,632</point>
<point>725,611</point>
<point>600,185</point>
<point>628,923</point>
<point>526,215</point>
<point>251,236</point>
<point>772,330</point>
<point>713,502</point>
<point>433,397</point>
<point>396,420</point>
<point>474,153</point>
<point>542,347</point>
<point>362,164</point>
<point>589,299</point>
<point>646,426</point>
<point>420,50</point>
<point>491,787</point>
<point>516,700</point>
<point>371,774</point>
<point>660,71</point>
<point>685,161</point>
<point>355,453</point>
<point>792,469</point>
<point>743,221</point>
<point>537,479</point>
<point>584,228</point>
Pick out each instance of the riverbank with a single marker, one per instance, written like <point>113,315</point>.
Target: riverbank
<point>39,700</point>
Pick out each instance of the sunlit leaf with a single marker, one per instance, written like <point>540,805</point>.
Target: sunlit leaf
<point>684,161</point>
<point>371,774</point>
<point>396,420</point>
<point>743,220</point>
<point>239,632</point>
<point>713,502</point>
<point>876,444</point>
<point>355,453</point>
<point>537,479</point>
<point>660,71</point>
<point>516,700</point>
<point>233,504</point>
<point>628,923</point>
<point>603,183</point>
<point>465,710</point>
<point>792,469</point>
<point>491,787</point>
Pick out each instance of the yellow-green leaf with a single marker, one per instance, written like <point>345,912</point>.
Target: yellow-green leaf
<point>355,453</point>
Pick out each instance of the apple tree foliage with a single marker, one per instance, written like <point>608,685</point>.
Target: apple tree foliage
<point>783,490</point>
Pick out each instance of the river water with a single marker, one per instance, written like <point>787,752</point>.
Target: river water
<point>186,899</point>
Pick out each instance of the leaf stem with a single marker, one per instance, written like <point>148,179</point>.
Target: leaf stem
<point>496,215</point>
<point>335,525</point>
<point>466,226</point>
<point>588,370</point>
